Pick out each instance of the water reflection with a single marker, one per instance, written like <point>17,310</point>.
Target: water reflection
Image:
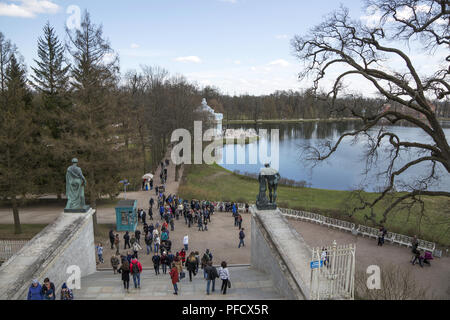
<point>345,169</point>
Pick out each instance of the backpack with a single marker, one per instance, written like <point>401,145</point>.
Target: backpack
<point>135,268</point>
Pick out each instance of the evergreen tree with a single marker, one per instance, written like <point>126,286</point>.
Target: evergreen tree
<point>51,80</point>
<point>16,138</point>
<point>94,139</point>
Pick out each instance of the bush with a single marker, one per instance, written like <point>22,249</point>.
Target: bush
<point>397,283</point>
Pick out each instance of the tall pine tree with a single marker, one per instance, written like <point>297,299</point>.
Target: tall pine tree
<point>95,134</point>
<point>17,132</point>
<point>51,81</point>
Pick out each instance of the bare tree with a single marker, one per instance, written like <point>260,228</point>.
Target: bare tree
<point>362,51</point>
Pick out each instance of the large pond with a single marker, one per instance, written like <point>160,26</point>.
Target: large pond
<point>345,169</point>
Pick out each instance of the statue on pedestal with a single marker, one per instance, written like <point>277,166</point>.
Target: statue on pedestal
<point>268,178</point>
<point>75,183</point>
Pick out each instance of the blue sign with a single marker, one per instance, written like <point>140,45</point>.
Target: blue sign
<point>316,264</point>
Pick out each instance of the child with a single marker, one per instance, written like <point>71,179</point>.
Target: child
<point>100,253</point>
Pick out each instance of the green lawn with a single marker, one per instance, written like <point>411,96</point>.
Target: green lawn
<point>28,231</point>
<point>216,183</point>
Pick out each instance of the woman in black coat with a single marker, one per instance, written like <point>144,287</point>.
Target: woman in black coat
<point>125,271</point>
<point>192,265</point>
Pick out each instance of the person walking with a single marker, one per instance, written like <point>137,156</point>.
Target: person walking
<point>144,216</point>
<point>380,239</point>
<point>157,242</point>
<point>112,238</point>
<point>35,291</point>
<point>125,271</point>
<point>240,221</point>
<point>137,235</point>
<point>148,242</point>
<point>211,276</point>
<point>115,263</point>
<point>66,293</point>
<point>183,256</point>
<point>136,269</point>
<point>192,265</point>
<point>136,248</point>
<point>117,243</point>
<point>224,275</point>
<point>200,224</point>
<point>126,237</point>
<point>100,253</point>
<point>241,238</point>
<point>156,259</point>
<point>186,242</point>
<point>178,263</point>
<point>175,279</point>
<point>204,262</point>
<point>164,262</point>
<point>48,290</point>
<point>172,224</point>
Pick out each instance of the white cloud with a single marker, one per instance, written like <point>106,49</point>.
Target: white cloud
<point>282,36</point>
<point>134,46</point>
<point>279,62</point>
<point>194,59</point>
<point>229,1</point>
<point>27,8</point>
<point>373,15</point>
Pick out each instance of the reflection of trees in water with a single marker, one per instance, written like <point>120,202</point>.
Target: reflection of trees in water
<point>324,130</point>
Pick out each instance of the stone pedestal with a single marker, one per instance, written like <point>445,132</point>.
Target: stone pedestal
<point>85,209</point>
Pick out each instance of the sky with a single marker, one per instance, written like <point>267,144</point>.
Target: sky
<point>239,46</point>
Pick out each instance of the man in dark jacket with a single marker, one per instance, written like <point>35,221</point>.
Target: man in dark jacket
<point>126,237</point>
<point>211,275</point>
<point>48,290</point>
<point>156,259</point>
<point>241,238</point>
<point>137,235</point>
<point>112,238</point>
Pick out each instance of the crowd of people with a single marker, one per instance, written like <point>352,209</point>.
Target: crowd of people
<point>157,241</point>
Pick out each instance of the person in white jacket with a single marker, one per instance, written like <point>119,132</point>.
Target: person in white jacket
<point>186,242</point>
<point>224,274</point>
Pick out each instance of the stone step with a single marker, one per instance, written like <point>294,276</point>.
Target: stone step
<point>247,284</point>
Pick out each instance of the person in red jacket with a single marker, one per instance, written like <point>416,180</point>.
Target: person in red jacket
<point>182,254</point>
<point>174,277</point>
<point>135,270</point>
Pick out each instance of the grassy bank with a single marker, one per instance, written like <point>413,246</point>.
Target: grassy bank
<point>216,183</point>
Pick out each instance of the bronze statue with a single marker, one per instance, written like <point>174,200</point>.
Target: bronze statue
<point>75,183</point>
<point>268,177</point>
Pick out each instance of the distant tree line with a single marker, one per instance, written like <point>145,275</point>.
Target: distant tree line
<point>302,104</point>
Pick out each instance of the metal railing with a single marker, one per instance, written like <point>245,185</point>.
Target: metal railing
<point>362,230</point>
<point>8,248</point>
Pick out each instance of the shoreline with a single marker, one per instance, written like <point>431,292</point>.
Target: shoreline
<point>274,121</point>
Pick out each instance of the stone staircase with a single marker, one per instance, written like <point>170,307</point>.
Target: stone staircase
<point>247,284</point>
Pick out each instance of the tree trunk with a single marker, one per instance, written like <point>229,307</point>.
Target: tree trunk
<point>93,199</point>
<point>17,226</point>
